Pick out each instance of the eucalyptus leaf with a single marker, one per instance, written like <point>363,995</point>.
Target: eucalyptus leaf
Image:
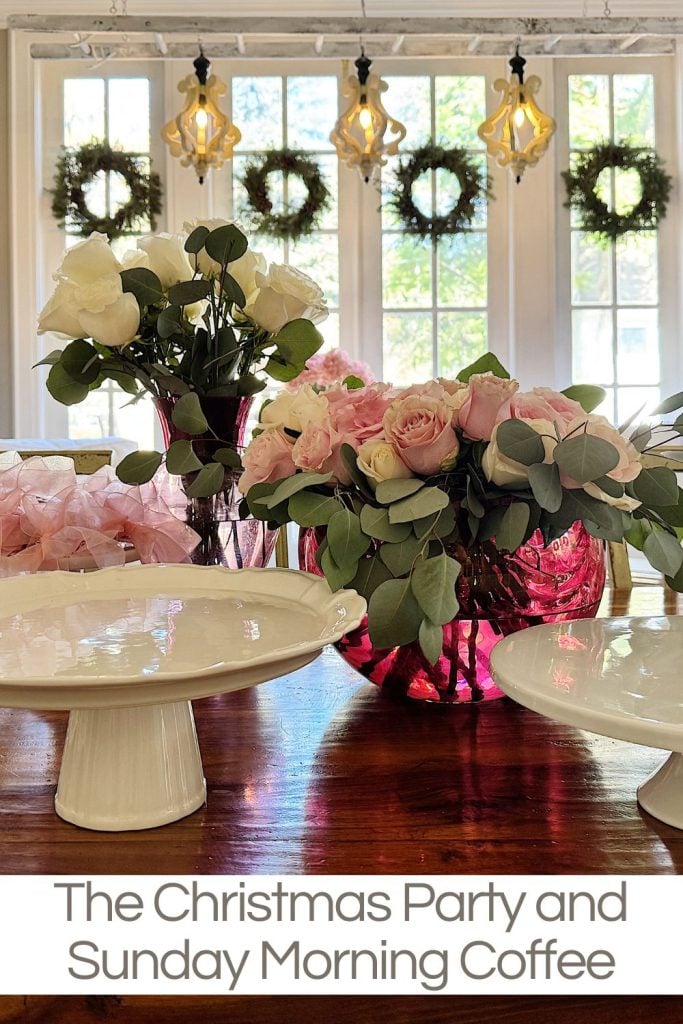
<point>81,361</point>
<point>249,384</point>
<point>393,615</point>
<point>433,584</point>
<point>138,467</point>
<point>663,552</point>
<point>490,524</point>
<point>546,488</point>
<point>389,491</point>
<point>430,637</point>
<point>208,481</point>
<point>375,523</point>
<point>50,359</point>
<point>144,285</point>
<point>350,461</point>
<point>439,524</point>
<point>585,457</point>
<point>187,415</point>
<point>371,573</point>
<point>589,396</point>
<point>345,537</point>
<point>309,509</point>
<point>610,486</point>
<point>472,502</point>
<point>180,458</point>
<point>638,533</point>
<point>295,483</point>
<point>256,497</point>
<point>233,292</point>
<point>186,293</point>
<point>228,457</point>
<point>64,388</point>
<point>297,341</point>
<point>417,506</point>
<point>226,244</point>
<point>353,383</point>
<point>399,558</point>
<point>487,363</point>
<point>337,575</point>
<point>577,505</point>
<point>520,442</point>
<point>657,486</point>
<point>513,526</point>
<point>281,370</point>
<point>669,404</point>
<point>194,242</point>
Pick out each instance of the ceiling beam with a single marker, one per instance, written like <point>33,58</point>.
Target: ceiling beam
<point>393,27</point>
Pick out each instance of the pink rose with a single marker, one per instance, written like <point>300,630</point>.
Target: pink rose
<point>488,402</point>
<point>312,447</point>
<point>565,409</point>
<point>268,458</point>
<point>420,428</point>
<point>359,413</point>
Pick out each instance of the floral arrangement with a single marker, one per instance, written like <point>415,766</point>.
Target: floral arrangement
<point>49,516</point>
<point>332,367</point>
<point>401,477</point>
<point>182,317</point>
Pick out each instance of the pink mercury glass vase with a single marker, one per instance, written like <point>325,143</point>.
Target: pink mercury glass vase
<point>498,595</point>
<point>225,538</point>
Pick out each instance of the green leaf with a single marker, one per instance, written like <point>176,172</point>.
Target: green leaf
<point>399,558</point>
<point>393,615</point>
<point>297,341</point>
<point>187,415</point>
<point>228,457</point>
<point>472,502</point>
<point>656,487</point>
<point>353,383</point>
<point>638,533</point>
<point>440,524</point>
<point>194,242</point>
<point>256,498</point>
<point>585,458</point>
<point>64,388</point>
<point>280,370</point>
<point>486,363</point>
<point>249,384</point>
<point>337,575</point>
<point>546,488</point>
<point>188,292</point>
<point>170,321</point>
<point>663,552</point>
<point>669,405</point>
<point>576,504</point>
<point>375,523</point>
<point>513,526</point>
<point>144,285</point>
<point>588,396</point>
<point>433,583</point>
<point>232,291</point>
<point>419,505</point>
<point>208,481</point>
<point>346,540</point>
<point>180,458</point>
<point>371,573</point>
<point>430,637</point>
<point>50,359</point>
<point>81,361</point>
<point>520,442</point>
<point>490,524</point>
<point>389,491</point>
<point>351,463</point>
<point>138,467</point>
<point>226,244</point>
<point>610,486</point>
<point>309,509</point>
<point>295,483</point>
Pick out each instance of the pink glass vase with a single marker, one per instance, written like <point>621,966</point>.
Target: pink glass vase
<point>225,538</point>
<point>498,595</point>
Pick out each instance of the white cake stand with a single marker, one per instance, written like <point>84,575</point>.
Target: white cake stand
<point>125,650</point>
<point>617,677</point>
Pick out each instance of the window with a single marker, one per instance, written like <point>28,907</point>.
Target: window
<point>615,326</point>
<point>435,294</point>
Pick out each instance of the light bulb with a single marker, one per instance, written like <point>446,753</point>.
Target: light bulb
<point>519,116</point>
<point>201,118</point>
<point>365,118</point>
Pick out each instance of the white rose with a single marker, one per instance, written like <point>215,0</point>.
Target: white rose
<point>505,472</point>
<point>286,294</point>
<point>245,269</point>
<point>89,301</point>
<point>625,504</point>
<point>167,258</point>
<point>305,408</point>
<point>379,460</point>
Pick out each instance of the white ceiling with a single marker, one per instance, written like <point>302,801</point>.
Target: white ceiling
<point>352,8</point>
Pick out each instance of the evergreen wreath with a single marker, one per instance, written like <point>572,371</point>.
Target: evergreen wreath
<point>595,215</point>
<point>76,168</point>
<point>294,224</point>
<point>475,187</point>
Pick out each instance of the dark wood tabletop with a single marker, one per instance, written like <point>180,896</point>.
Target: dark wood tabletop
<point>319,772</point>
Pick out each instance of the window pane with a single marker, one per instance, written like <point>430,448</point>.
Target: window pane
<point>460,109</point>
<point>637,278</point>
<point>630,400</point>
<point>407,348</point>
<point>634,109</point>
<point>129,114</point>
<point>311,111</point>
<point>592,355</point>
<point>257,111</point>
<point>462,270</point>
<point>588,110</point>
<point>406,271</point>
<point>408,100</point>
<point>591,271</point>
<point>462,339</point>
<point>318,256</point>
<point>133,421</point>
<point>637,346</point>
<point>91,417</point>
<point>83,110</point>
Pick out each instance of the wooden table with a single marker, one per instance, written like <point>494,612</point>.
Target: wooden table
<point>318,773</point>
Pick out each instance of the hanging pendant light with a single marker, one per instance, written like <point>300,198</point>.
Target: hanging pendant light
<point>358,135</point>
<point>518,133</point>
<point>201,135</point>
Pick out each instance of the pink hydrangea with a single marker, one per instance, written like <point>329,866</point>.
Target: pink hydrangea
<point>332,367</point>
